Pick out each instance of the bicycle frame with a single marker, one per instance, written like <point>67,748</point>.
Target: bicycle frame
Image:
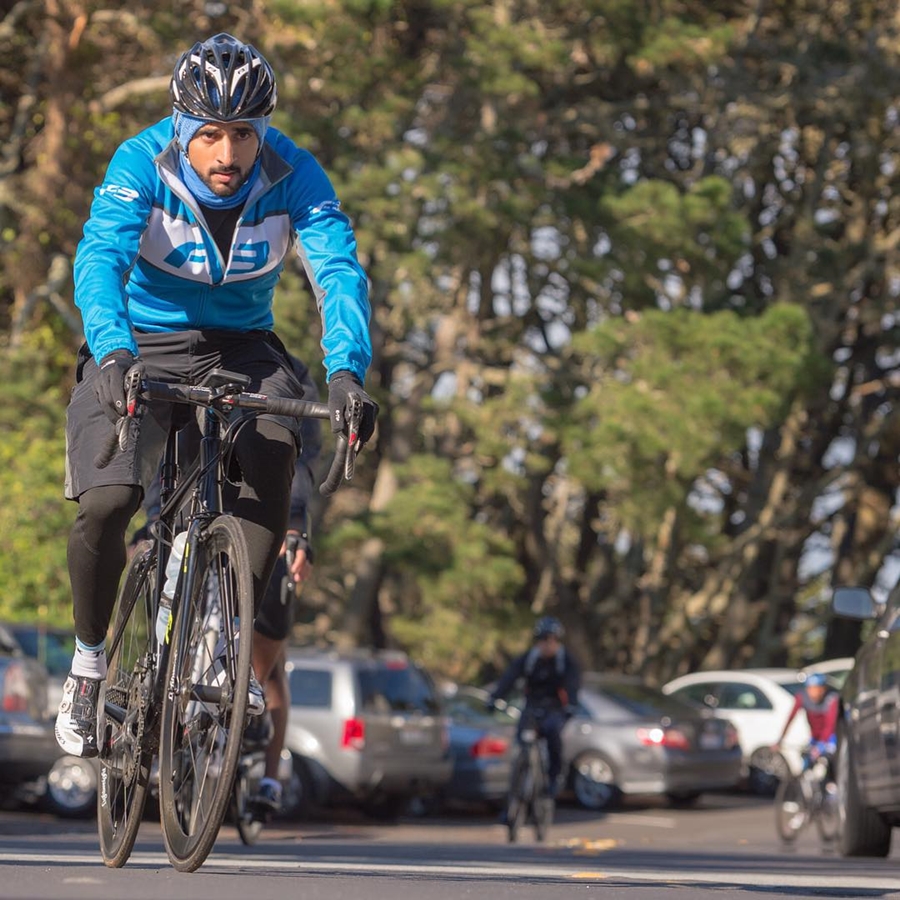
<point>203,483</point>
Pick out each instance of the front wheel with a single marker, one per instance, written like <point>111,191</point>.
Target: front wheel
<point>206,700</point>
<point>519,797</point>
<point>791,808</point>
<point>828,820</point>
<point>125,757</point>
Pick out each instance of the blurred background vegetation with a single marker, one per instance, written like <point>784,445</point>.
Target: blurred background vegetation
<point>634,277</point>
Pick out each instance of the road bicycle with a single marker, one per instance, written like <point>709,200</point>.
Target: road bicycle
<point>529,798</point>
<point>185,697</point>
<point>808,797</point>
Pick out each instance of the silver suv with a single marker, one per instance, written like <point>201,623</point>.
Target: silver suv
<point>367,727</point>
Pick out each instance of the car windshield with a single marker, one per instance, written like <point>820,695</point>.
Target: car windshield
<point>397,688</point>
<point>792,687</point>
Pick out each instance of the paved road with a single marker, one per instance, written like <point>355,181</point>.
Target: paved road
<point>723,849</point>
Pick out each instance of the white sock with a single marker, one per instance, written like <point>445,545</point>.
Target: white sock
<point>89,663</point>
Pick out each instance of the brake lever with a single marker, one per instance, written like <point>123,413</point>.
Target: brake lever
<point>354,409</point>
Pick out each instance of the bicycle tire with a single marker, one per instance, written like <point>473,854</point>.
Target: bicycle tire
<point>828,818</point>
<point>125,759</point>
<point>202,734</point>
<point>517,804</point>
<point>542,803</point>
<point>791,809</point>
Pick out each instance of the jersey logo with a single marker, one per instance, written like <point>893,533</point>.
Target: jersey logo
<point>125,194</point>
<point>249,257</point>
<point>189,252</point>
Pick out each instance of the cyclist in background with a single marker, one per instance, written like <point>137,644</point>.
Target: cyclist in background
<point>821,707</point>
<point>551,682</point>
<point>186,240</point>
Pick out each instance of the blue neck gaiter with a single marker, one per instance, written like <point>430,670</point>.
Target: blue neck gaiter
<point>185,128</point>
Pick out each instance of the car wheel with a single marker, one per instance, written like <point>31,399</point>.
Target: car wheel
<point>594,782</point>
<point>72,788</point>
<point>861,830</point>
<point>768,769</point>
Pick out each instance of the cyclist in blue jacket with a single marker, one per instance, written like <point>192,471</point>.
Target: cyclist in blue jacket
<point>186,240</point>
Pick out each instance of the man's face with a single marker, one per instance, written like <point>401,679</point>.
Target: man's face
<point>816,692</point>
<point>548,645</point>
<point>222,154</point>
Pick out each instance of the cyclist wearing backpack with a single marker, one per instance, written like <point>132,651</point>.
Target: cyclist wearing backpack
<point>551,681</point>
<point>186,240</point>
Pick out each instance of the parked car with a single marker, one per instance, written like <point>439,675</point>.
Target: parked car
<point>366,727</point>
<point>629,738</point>
<point>482,746</point>
<point>53,647</point>
<point>836,670</point>
<point>868,755</point>
<point>32,767</point>
<point>757,702</point>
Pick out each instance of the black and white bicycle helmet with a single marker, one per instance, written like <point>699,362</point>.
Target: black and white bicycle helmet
<point>223,79</point>
<point>548,626</point>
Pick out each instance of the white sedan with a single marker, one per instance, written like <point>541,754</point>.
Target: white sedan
<point>757,702</point>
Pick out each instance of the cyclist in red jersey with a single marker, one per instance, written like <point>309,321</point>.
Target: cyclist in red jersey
<point>821,707</point>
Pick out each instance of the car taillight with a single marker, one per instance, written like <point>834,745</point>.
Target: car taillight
<point>673,738</point>
<point>354,737</point>
<point>488,746</point>
<point>15,689</point>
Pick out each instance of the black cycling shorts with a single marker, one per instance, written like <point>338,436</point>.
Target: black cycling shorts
<point>276,616</point>
<point>168,356</point>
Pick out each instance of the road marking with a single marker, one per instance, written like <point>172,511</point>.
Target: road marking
<point>638,819</point>
<point>516,870</point>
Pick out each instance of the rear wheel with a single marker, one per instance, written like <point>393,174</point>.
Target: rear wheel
<point>125,757</point>
<point>791,808</point>
<point>861,830</point>
<point>206,703</point>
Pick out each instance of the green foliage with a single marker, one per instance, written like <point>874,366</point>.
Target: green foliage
<point>458,574</point>
<point>34,517</point>
<point>668,393</point>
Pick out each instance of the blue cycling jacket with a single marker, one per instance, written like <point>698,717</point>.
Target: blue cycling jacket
<point>148,262</point>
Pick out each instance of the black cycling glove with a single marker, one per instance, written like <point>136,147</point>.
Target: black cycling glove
<point>110,383</point>
<point>340,387</point>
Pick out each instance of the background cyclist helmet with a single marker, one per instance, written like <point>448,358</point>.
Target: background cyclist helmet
<point>816,679</point>
<point>548,626</point>
<point>223,79</point>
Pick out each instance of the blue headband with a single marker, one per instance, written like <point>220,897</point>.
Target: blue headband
<point>186,126</point>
